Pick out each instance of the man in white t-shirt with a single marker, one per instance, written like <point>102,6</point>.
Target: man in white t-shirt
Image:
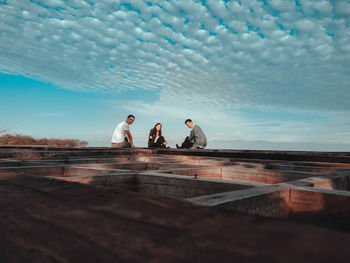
<point>122,137</point>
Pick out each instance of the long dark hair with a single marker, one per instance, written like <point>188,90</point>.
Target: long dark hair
<point>154,130</point>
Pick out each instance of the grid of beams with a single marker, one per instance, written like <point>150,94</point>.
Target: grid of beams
<point>273,184</point>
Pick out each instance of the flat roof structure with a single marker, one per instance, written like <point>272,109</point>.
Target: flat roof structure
<point>171,205</point>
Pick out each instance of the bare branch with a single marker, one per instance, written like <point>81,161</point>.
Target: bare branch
<point>4,129</point>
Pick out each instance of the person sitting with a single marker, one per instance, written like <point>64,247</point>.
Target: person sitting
<point>197,138</point>
<point>122,134</point>
<point>155,138</point>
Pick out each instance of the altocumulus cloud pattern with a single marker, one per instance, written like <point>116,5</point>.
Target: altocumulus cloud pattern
<point>265,53</point>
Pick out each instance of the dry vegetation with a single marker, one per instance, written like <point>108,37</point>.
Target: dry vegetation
<point>17,139</point>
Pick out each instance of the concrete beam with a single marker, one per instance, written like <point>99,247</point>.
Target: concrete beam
<point>309,199</point>
<point>181,187</point>
<point>271,201</point>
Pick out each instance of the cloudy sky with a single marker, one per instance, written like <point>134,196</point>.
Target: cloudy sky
<point>254,74</point>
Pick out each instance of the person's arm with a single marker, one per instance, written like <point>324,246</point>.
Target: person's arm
<point>130,138</point>
<point>200,138</point>
<point>196,134</point>
<point>193,139</point>
<point>192,136</point>
<point>150,138</point>
<point>151,134</point>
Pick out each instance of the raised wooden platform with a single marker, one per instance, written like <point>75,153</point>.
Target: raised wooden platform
<point>169,205</point>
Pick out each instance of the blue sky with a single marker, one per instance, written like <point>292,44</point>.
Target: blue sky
<point>254,74</point>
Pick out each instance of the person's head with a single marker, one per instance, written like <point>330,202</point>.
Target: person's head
<point>158,126</point>
<point>189,123</point>
<point>130,119</point>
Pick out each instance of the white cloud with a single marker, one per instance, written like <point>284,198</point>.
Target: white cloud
<point>282,5</point>
<point>342,7</point>
<point>305,25</point>
<point>324,7</point>
<point>230,53</point>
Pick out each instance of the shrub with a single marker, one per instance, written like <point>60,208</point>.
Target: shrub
<point>17,139</point>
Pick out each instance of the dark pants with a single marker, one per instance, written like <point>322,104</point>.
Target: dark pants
<point>158,144</point>
<point>186,144</point>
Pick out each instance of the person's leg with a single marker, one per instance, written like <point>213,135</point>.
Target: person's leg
<point>118,145</point>
<point>187,144</point>
<point>196,147</point>
<point>152,145</point>
<point>160,142</point>
<point>126,143</point>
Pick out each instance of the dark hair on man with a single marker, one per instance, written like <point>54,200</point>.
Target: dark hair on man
<point>188,120</point>
<point>131,116</point>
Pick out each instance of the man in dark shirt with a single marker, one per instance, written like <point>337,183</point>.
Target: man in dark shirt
<point>197,138</point>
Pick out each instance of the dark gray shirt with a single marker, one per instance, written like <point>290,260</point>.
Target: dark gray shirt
<point>198,137</point>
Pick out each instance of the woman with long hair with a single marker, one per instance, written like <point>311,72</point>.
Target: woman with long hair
<point>155,138</point>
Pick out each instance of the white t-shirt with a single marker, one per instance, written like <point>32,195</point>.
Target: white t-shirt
<point>119,132</point>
